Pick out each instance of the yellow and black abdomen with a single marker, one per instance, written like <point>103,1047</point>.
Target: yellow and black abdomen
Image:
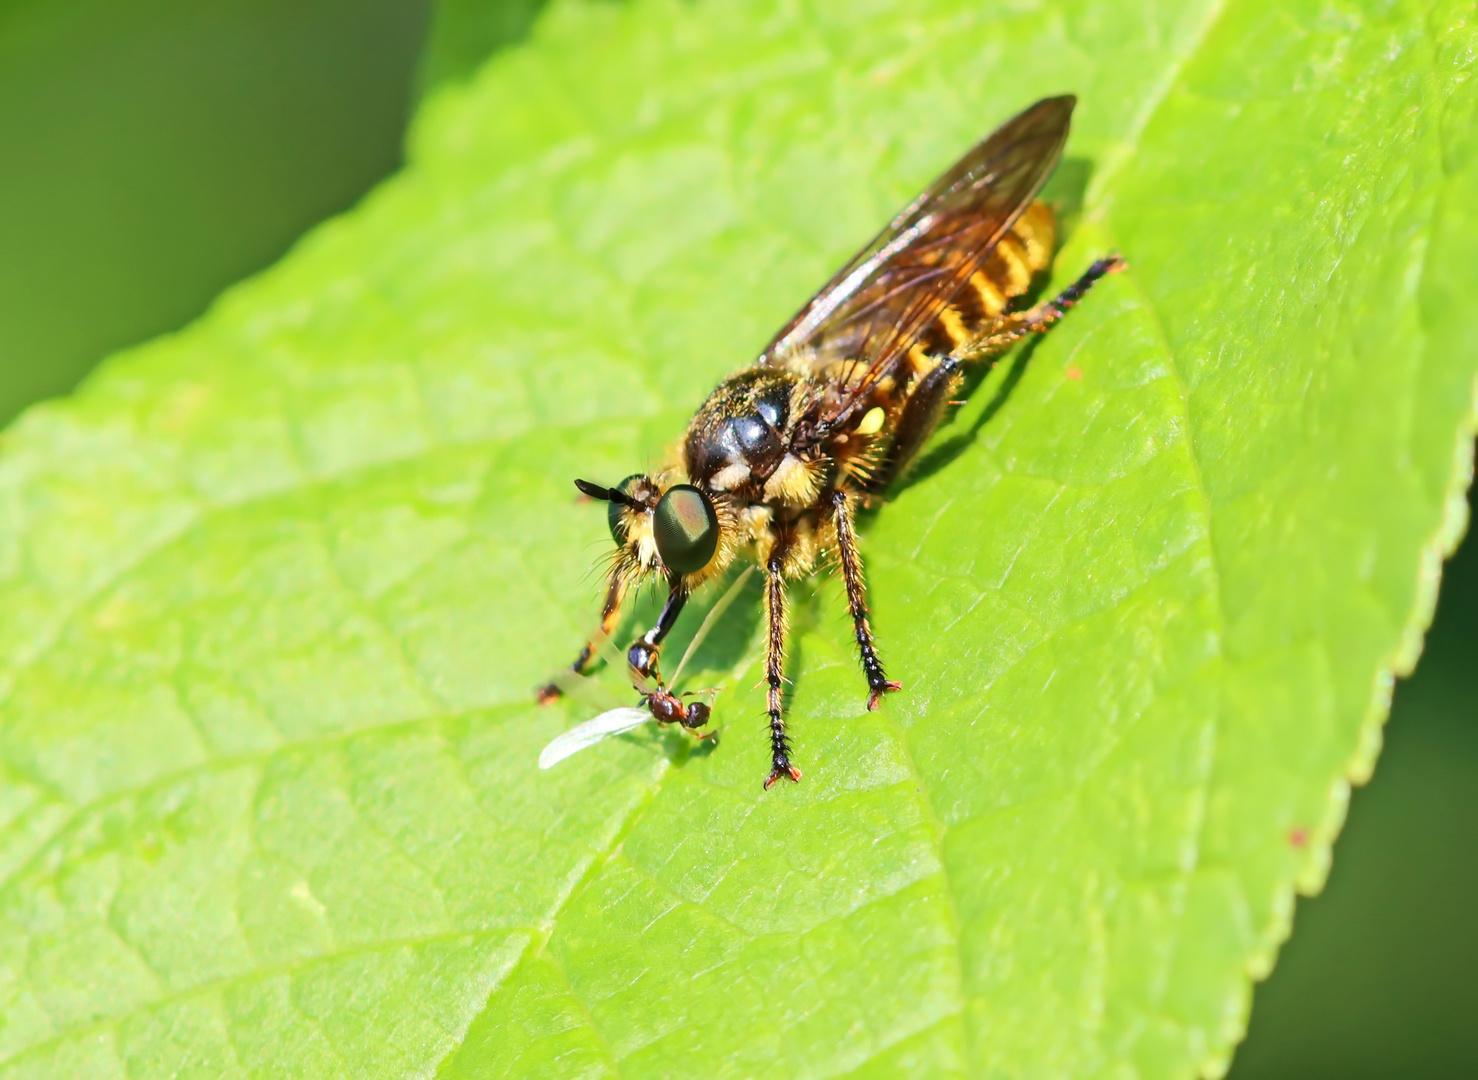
<point>934,370</point>
<point>1005,274</point>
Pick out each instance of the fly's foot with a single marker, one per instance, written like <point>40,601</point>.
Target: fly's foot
<point>546,693</point>
<point>783,768</point>
<point>878,692</point>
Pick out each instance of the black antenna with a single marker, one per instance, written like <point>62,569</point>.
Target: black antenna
<point>605,494</point>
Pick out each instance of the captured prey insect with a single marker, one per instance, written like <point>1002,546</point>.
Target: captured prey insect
<point>777,459</point>
<point>659,703</point>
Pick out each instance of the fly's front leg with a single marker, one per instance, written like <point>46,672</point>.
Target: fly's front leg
<point>610,612</point>
<point>775,664</point>
<point>642,656</point>
<point>878,683</point>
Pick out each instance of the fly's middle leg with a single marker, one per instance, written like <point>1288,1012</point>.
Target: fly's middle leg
<point>878,682</point>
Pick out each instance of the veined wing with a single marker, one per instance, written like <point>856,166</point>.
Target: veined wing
<point>613,722</point>
<point>891,291</point>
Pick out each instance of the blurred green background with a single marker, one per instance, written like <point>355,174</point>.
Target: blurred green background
<point>153,152</point>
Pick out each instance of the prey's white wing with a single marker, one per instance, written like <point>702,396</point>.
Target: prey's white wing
<point>612,722</point>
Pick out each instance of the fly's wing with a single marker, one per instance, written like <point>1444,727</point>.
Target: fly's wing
<point>881,301</point>
<point>615,722</point>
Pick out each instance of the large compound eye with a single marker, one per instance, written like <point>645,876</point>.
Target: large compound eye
<point>685,528</point>
<point>615,511</point>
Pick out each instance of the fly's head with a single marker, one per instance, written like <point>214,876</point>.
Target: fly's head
<point>676,531</point>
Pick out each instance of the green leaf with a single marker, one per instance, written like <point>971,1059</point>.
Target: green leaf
<point>277,589</point>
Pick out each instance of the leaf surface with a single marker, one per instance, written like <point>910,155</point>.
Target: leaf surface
<point>277,589</point>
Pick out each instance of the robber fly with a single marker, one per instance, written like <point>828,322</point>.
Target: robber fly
<point>776,461</point>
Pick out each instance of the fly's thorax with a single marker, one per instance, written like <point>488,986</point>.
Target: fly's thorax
<point>797,481</point>
<point>754,523</point>
<point>741,434</point>
<point>807,535</point>
<point>805,546</point>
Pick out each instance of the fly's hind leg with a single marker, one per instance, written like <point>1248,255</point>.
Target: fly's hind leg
<point>920,416</point>
<point>928,399</point>
<point>1040,318</point>
<point>878,682</point>
<point>775,626</point>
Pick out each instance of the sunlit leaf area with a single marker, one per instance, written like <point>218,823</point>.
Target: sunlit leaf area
<point>278,585</point>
